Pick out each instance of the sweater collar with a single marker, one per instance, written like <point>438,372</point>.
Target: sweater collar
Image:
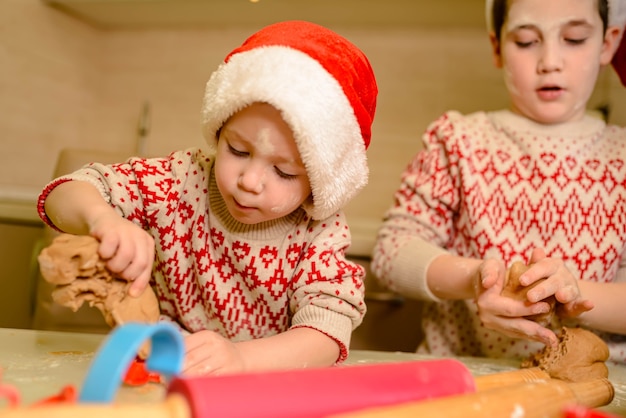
<point>588,126</point>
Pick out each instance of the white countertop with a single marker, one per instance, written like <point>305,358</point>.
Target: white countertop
<point>40,363</point>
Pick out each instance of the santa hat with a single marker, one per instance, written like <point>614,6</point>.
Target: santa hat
<point>325,89</point>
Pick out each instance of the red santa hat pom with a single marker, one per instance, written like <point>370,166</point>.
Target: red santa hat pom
<point>326,91</point>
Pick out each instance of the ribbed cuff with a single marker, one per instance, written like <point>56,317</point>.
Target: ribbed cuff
<point>333,324</point>
<point>410,268</point>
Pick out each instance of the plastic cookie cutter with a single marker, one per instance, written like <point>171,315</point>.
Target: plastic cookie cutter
<point>120,348</point>
<point>67,394</point>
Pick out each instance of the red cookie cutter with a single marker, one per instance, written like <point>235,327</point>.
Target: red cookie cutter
<point>138,374</point>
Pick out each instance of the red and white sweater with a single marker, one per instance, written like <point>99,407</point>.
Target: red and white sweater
<point>496,185</point>
<point>212,272</point>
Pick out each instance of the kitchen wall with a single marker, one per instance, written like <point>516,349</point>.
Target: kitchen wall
<point>65,83</point>
<point>68,84</point>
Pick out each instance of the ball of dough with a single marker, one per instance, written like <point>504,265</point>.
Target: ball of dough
<point>513,289</point>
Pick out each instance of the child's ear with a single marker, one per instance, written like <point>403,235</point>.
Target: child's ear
<point>611,41</point>
<point>495,49</point>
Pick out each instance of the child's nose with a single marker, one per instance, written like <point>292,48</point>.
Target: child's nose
<point>252,178</point>
<point>550,59</point>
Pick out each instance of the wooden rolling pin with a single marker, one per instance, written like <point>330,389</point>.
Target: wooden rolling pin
<point>298,393</point>
<point>508,378</point>
<point>546,399</point>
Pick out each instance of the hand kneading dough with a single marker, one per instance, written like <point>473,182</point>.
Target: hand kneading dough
<point>72,263</point>
<point>513,289</point>
<point>580,356</point>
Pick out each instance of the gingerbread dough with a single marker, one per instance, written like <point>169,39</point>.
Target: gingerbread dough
<point>513,289</point>
<point>72,263</point>
<point>580,356</point>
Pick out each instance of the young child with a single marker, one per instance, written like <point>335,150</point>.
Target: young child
<point>245,245</point>
<point>542,182</point>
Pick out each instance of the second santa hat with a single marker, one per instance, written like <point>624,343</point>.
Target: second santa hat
<point>324,87</point>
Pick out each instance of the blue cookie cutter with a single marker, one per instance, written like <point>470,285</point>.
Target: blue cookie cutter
<point>120,348</point>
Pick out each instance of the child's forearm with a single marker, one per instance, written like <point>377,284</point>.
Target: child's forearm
<point>72,206</point>
<point>608,311</point>
<point>294,349</point>
<point>452,277</point>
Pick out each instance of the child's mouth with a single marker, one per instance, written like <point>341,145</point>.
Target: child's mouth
<point>550,92</point>
<point>550,88</point>
<point>242,207</point>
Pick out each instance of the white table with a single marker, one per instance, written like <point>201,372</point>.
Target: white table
<point>40,363</point>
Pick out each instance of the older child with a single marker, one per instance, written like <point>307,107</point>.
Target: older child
<point>542,180</point>
<point>245,244</point>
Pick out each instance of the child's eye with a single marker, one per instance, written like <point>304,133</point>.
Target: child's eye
<point>236,152</point>
<point>284,175</point>
<point>525,38</point>
<point>577,41</point>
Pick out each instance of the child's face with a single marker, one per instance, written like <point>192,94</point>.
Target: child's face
<point>551,52</point>
<point>258,168</point>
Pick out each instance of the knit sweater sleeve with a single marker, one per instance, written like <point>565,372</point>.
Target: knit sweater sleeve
<point>328,289</point>
<point>134,188</point>
<point>419,225</point>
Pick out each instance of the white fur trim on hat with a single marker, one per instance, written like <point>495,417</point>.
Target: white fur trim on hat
<point>312,103</point>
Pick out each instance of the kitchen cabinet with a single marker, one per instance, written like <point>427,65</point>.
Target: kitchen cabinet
<point>20,232</point>
<point>18,241</point>
<point>392,322</point>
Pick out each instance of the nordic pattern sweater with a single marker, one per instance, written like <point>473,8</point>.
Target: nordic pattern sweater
<point>496,185</point>
<point>212,272</point>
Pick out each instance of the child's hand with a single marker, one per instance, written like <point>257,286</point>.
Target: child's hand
<point>559,282</point>
<point>504,314</point>
<point>128,249</point>
<point>207,352</point>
